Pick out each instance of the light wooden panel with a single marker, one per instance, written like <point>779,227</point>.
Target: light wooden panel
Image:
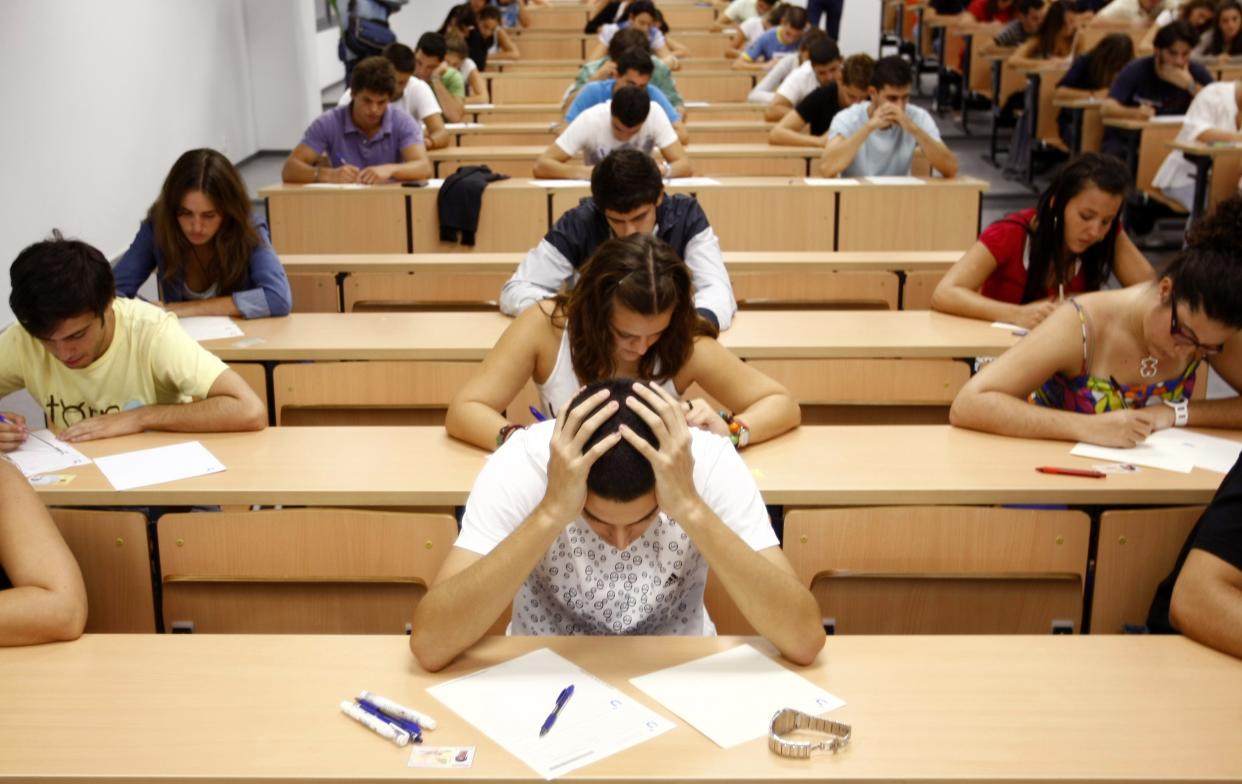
<point>816,289</point>
<point>527,87</point>
<point>551,45</point>
<point>769,217</point>
<point>554,18</point>
<point>980,66</point>
<point>507,220</point>
<point>366,290</point>
<point>1137,550</point>
<point>111,550</point>
<point>916,294</point>
<point>709,165</point>
<point>255,376</point>
<point>900,217</point>
<point>1153,149</point>
<point>875,382</point>
<point>1048,132</point>
<point>915,570</point>
<point>318,221</point>
<point>340,393</point>
<point>315,293</point>
<point>687,17</point>
<point>1226,172</point>
<point>299,571</point>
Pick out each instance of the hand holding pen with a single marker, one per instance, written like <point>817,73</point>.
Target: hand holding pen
<point>13,431</point>
<point>342,170</point>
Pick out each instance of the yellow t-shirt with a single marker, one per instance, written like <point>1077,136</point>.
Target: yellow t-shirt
<point>151,361</point>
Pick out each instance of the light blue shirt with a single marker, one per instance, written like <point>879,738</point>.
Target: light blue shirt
<point>599,92</point>
<point>887,152</point>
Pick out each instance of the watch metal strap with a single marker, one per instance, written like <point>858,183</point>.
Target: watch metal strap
<point>787,720</point>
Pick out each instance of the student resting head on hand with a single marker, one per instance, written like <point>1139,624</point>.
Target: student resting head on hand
<point>1110,367</point>
<point>1069,243</point>
<point>211,256</point>
<point>631,314</point>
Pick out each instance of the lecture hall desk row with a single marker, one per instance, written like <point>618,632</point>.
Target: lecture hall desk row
<point>572,18</point>
<point>693,84</point>
<point>551,112</point>
<point>564,45</point>
<point>544,133</point>
<point>234,708</point>
<point>330,283</point>
<point>747,213</point>
<point>709,159</point>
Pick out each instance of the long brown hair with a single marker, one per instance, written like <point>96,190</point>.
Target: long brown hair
<point>645,275</point>
<point>210,173</point>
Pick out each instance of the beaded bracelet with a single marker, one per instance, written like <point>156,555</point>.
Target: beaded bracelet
<point>739,433</point>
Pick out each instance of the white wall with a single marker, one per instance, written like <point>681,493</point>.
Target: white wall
<point>860,28</point>
<point>414,19</point>
<point>280,45</point>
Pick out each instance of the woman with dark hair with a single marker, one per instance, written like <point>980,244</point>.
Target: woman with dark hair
<point>630,314</point>
<point>643,15</point>
<point>1054,40</point>
<point>1091,75</point>
<point>1111,367</point>
<point>1223,40</point>
<point>211,256</point>
<point>1070,242</point>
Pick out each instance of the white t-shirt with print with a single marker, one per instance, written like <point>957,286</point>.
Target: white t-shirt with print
<point>418,100</point>
<point>591,134</point>
<point>583,585</point>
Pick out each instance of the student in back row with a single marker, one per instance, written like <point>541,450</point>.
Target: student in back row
<point>793,78</point>
<point>606,67</point>
<point>632,68</point>
<point>878,137</point>
<point>782,40</point>
<point>820,107</point>
<point>369,141</point>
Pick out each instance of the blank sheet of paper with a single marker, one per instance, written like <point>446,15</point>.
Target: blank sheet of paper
<point>35,457</point>
<point>1210,452</point>
<point>694,182</point>
<point>159,465</point>
<point>730,696</point>
<point>830,182</point>
<point>895,181</point>
<point>210,327</point>
<point>1162,450</point>
<point>562,183</point>
<point>510,701</point>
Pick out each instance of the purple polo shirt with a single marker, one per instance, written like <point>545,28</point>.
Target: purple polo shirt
<point>335,132</point>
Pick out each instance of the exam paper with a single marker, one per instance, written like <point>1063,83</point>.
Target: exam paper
<point>210,327</point>
<point>834,182</point>
<point>895,181</point>
<point>510,701</point>
<point>35,457</point>
<point>1162,450</point>
<point>730,696</point>
<point>156,466</point>
<point>1210,453</point>
<point>562,183</point>
<point>1014,328</point>
<point>690,182</point>
<point>696,104</point>
<point>457,126</point>
<point>336,186</point>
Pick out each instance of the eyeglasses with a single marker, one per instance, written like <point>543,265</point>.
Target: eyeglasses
<point>1185,337</point>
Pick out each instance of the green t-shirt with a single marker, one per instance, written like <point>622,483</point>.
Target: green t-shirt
<point>454,82</point>
<point>661,78</point>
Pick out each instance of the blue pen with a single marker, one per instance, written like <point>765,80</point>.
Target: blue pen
<point>565,694</point>
<point>537,414</point>
<point>32,435</point>
<point>416,732</point>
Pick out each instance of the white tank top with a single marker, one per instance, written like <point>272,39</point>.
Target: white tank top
<point>562,383</point>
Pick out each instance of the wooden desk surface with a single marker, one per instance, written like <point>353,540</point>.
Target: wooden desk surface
<point>262,708</point>
<point>521,152</point>
<point>1210,150</point>
<point>496,129</point>
<point>879,465</point>
<point>1129,124</point>
<point>755,334</point>
<point>507,261</point>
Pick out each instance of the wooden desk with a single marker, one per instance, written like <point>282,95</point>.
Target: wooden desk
<point>308,219</point>
<point>693,84</point>
<point>530,133</point>
<point>551,45</point>
<point>1037,114</point>
<point>937,214</point>
<point>1216,172</point>
<point>552,112</point>
<point>1086,125</point>
<point>839,465</point>
<point>709,159</point>
<point>1146,148</point>
<point>260,708</point>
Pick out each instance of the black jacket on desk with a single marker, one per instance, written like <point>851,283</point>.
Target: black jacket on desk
<point>461,200</point>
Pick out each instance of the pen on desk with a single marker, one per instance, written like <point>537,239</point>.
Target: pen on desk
<point>561,699</point>
<point>32,435</point>
<point>378,726</point>
<point>537,414</point>
<point>1071,472</point>
<point>398,710</point>
<point>416,732</point>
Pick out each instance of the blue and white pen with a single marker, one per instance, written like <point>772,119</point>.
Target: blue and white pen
<point>561,699</point>
<point>32,435</point>
<point>378,726</point>
<point>416,732</point>
<point>537,414</point>
<point>400,711</point>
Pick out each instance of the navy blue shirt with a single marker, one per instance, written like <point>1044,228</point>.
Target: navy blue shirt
<point>1138,85</point>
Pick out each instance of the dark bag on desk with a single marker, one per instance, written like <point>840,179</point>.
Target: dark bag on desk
<point>460,200</point>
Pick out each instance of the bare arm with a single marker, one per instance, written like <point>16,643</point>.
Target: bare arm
<point>1207,602</point>
<point>791,131</point>
<point>1112,109</point>
<point>1075,94</point>
<point>1222,412</point>
<point>958,293</point>
<point>598,50</point>
<point>840,152</point>
<point>213,306</point>
<point>415,165</point>
<point>453,108</point>
<point>508,49</point>
<point>477,92</point>
<point>1024,57</point>
<point>938,153</point>
<point>761,402</point>
<point>302,166</point>
<point>437,135</point>
<point>1216,135</point>
<point>48,600</point>
<point>230,406</point>
<point>1129,263</point>
<point>677,160</point>
<point>777,109</point>
<point>554,164</point>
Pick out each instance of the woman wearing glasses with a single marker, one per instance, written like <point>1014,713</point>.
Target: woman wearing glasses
<point>1127,356</point>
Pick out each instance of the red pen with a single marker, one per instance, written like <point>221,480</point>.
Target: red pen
<point>1071,472</point>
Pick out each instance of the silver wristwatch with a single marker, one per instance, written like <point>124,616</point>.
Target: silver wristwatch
<point>787,720</point>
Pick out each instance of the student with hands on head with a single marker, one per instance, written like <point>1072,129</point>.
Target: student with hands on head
<point>369,141</point>
<point>618,484</point>
<point>1110,367</point>
<point>1024,264</point>
<point>101,366</point>
<point>630,313</point>
<point>42,598</point>
<point>211,257</point>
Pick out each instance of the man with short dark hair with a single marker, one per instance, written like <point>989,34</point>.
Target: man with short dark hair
<point>413,96</point>
<point>606,68</point>
<point>819,65</point>
<point>368,141</point>
<point>625,121</point>
<point>607,520</point>
<point>772,44</point>
<point>102,366</point>
<point>431,66</point>
<point>1028,15</point>
<point>822,105</point>
<point>878,137</point>
<point>634,69</point>
<point>627,197</point>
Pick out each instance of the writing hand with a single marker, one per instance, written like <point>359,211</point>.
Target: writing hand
<point>12,431</point>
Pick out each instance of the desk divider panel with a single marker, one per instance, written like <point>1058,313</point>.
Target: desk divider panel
<point>112,551</point>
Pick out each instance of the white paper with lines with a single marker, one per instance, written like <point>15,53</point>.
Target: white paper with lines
<point>510,701</point>
<point>159,465</point>
<point>1172,449</point>
<point>730,696</point>
<point>211,327</point>
<point>37,456</point>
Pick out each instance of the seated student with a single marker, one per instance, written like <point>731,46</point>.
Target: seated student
<point>210,255</point>
<point>769,15</point>
<point>1134,10</point>
<point>992,10</point>
<point>1199,14</point>
<point>820,107</point>
<point>1054,40</point>
<point>481,29</point>
<point>1098,368</point>
<point>634,69</point>
<point>878,137</point>
<point>605,68</point>
<point>414,96</point>
<point>42,598</point>
<point>783,40</point>
<point>1091,75</point>
<point>498,42</point>
<point>1213,118</point>
<point>793,78</point>
<point>677,48</point>
<point>1223,39</point>
<point>368,141</point>
<point>629,314</point>
<point>618,486</point>
<point>734,14</point>
<point>1071,242</point>
<point>432,66</point>
<point>640,14</point>
<point>1202,597</point>
<point>1164,83</point>
<point>102,366</point>
<point>627,197</point>
<point>457,58</point>
<point>625,121</point>
<point>1027,16</point>
<point>514,12</point>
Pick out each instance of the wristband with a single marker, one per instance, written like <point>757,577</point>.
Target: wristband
<point>505,432</point>
<point>739,433</point>
<point>1181,412</point>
